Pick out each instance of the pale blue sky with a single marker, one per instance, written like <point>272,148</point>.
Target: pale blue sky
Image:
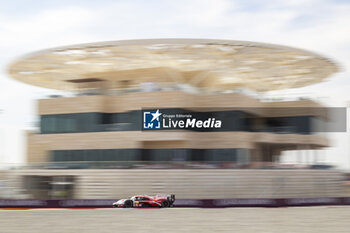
<point>26,26</point>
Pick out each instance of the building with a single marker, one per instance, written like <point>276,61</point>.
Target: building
<point>111,84</point>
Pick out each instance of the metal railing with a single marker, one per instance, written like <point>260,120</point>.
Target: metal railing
<point>162,165</point>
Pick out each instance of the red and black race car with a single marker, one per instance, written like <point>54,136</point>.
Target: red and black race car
<point>139,201</point>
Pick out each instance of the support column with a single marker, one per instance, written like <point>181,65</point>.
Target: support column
<point>315,156</point>
<point>299,155</point>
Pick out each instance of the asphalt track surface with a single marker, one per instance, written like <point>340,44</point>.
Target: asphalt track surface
<point>269,220</point>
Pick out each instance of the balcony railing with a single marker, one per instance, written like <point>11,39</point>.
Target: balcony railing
<point>164,165</point>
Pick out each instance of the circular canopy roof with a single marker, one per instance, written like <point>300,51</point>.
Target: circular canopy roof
<point>204,63</point>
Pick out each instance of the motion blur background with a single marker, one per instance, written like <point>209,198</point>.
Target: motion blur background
<point>71,128</point>
<point>27,26</point>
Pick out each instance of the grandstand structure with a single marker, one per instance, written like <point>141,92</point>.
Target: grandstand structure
<point>96,120</point>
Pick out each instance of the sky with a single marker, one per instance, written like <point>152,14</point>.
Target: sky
<point>321,26</point>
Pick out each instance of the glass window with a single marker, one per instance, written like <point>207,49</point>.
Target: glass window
<point>220,155</point>
<point>231,121</point>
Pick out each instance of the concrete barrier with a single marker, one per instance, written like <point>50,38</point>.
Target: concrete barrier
<point>199,203</point>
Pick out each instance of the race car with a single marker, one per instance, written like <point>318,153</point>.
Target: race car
<point>140,201</point>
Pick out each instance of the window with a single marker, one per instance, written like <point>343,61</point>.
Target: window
<point>70,123</point>
<point>232,120</point>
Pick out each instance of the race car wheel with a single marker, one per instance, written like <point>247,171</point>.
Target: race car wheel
<point>128,204</point>
<point>165,204</point>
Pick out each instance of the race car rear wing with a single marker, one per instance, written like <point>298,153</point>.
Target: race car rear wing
<point>170,197</point>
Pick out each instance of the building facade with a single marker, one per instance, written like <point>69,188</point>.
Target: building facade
<point>109,128</point>
<point>110,85</point>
